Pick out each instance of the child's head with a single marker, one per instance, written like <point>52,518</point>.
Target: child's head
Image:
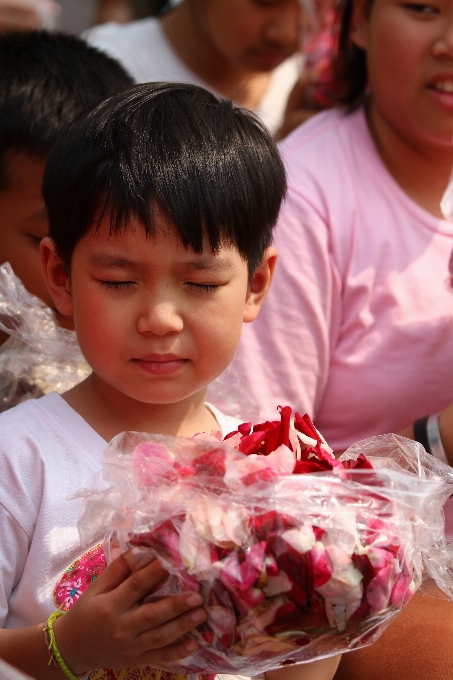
<point>46,80</point>
<point>161,202</point>
<point>402,53</point>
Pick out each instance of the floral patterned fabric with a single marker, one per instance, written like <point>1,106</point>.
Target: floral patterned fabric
<point>70,587</point>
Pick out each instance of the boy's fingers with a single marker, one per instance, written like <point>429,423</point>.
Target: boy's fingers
<point>165,657</point>
<point>112,577</point>
<point>139,583</point>
<point>163,637</point>
<point>168,618</point>
<point>139,557</point>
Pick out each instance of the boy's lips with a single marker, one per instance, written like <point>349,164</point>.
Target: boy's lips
<point>161,364</point>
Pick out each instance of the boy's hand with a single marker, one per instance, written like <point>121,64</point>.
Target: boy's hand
<point>109,628</point>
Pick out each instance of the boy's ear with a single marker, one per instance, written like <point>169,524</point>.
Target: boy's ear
<point>260,284</point>
<point>56,276</point>
<point>360,23</point>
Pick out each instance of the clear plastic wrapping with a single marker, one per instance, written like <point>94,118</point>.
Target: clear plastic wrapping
<point>292,567</point>
<point>39,356</point>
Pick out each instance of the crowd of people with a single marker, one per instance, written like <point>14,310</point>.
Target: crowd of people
<point>144,199</point>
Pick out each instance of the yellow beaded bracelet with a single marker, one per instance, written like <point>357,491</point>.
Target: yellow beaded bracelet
<point>54,652</point>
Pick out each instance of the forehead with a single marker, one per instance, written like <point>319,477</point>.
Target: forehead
<point>133,247</point>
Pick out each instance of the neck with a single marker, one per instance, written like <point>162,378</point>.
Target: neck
<point>422,171</point>
<point>198,52</point>
<point>110,412</point>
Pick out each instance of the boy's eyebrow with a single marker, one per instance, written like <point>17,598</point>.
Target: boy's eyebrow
<point>104,261</point>
<point>213,264</point>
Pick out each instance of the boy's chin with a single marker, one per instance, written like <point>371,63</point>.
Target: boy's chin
<point>171,397</point>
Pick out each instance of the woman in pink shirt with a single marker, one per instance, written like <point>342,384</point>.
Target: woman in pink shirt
<point>358,327</point>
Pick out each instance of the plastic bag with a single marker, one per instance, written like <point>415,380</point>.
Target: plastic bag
<point>292,567</point>
<point>39,356</point>
<point>231,395</point>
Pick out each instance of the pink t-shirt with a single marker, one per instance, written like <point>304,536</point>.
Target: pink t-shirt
<point>358,326</point>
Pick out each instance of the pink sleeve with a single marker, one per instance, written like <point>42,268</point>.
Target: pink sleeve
<point>284,355</point>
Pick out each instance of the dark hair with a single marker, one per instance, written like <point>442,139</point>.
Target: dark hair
<point>350,65</point>
<point>46,79</point>
<point>212,168</point>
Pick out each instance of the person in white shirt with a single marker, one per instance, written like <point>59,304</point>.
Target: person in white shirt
<point>240,49</point>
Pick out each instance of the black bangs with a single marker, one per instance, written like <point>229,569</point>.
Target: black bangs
<point>46,80</point>
<point>212,168</point>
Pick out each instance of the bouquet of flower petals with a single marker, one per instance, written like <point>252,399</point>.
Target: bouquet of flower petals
<point>298,555</point>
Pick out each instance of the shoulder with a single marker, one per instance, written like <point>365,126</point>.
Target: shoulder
<point>325,137</point>
<point>21,420</point>
<point>31,418</point>
<point>29,438</point>
<point>26,439</point>
<point>326,159</point>
<point>142,29</point>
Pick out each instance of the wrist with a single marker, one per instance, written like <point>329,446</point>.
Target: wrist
<point>428,432</point>
<point>61,652</point>
<point>446,433</point>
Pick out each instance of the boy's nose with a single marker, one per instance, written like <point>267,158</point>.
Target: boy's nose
<point>160,319</point>
<point>443,46</point>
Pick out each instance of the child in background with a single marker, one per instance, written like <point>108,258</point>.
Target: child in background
<point>240,49</point>
<point>46,80</point>
<point>161,204</point>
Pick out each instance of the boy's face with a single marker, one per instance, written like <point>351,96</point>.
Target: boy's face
<point>155,321</point>
<point>23,220</point>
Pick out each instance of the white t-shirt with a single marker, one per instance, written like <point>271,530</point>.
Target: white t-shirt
<point>144,50</point>
<point>47,453</point>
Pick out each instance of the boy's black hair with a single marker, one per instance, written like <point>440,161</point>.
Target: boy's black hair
<point>211,167</point>
<point>46,80</point>
<point>350,65</point>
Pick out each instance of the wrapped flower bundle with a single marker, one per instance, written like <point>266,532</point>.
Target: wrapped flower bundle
<point>39,357</point>
<point>298,555</point>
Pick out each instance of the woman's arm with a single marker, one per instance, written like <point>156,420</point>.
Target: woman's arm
<point>445,429</point>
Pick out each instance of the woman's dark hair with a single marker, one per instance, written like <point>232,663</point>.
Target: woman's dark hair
<point>350,66</point>
<point>46,80</point>
<point>212,168</point>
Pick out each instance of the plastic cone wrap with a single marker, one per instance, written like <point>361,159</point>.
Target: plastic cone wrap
<point>297,555</point>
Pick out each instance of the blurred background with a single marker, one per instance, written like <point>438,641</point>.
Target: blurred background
<point>75,16</point>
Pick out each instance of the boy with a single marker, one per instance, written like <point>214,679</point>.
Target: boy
<point>161,206</point>
<point>46,80</point>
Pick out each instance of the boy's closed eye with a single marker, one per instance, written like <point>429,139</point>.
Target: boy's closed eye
<point>203,287</point>
<point>422,8</point>
<point>118,285</point>
<point>192,285</point>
